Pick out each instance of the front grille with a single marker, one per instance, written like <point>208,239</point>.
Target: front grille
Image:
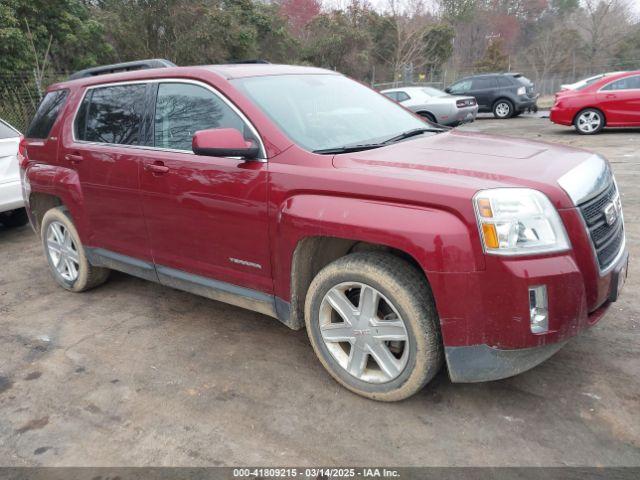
<point>607,238</point>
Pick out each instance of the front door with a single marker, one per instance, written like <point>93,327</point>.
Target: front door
<point>620,101</point>
<point>206,216</point>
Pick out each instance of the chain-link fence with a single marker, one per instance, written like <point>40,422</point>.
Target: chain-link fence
<point>20,94</point>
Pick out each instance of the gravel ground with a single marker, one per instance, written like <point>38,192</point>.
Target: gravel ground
<point>134,373</point>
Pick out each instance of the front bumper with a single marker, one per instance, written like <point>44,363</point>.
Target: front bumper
<point>481,363</point>
<point>487,332</point>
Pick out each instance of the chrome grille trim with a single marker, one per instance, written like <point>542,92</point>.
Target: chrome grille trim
<point>607,240</point>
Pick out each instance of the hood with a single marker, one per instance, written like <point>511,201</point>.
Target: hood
<point>471,162</point>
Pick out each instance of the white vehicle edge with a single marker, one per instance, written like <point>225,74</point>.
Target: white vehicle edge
<point>12,213</point>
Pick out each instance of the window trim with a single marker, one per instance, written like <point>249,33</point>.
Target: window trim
<point>262,157</point>
<point>602,88</point>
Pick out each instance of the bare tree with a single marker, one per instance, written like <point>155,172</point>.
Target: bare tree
<point>40,65</point>
<point>603,24</point>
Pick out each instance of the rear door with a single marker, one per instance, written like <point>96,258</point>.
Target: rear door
<point>484,90</point>
<point>105,151</point>
<point>620,101</point>
<point>206,216</point>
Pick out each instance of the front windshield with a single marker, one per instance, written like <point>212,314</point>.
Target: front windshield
<point>434,92</point>
<point>322,112</point>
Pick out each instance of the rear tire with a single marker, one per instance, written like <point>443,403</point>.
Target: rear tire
<point>398,346</point>
<point>589,121</point>
<point>14,218</point>
<point>428,116</point>
<point>503,108</point>
<point>65,253</point>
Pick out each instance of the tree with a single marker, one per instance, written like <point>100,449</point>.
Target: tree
<point>60,33</point>
<point>494,59</point>
<point>603,25</point>
<point>299,13</point>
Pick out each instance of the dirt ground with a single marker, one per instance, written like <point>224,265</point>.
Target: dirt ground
<point>134,373</point>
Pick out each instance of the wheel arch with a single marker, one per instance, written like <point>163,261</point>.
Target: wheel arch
<point>503,97</point>
<point>604,116</point>
<point>314,230</point>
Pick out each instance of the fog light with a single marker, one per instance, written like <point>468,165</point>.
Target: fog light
<point>539,309</point>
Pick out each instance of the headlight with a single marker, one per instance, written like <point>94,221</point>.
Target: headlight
<point>522,90</point>
<point>518,221</point>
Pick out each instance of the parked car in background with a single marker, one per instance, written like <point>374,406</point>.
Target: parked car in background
<point>586,81</point>
<point>435,105</point>
<point>611,101</point>
<point>304,195</point>
<point>12,212</point>
<point>505,94</point>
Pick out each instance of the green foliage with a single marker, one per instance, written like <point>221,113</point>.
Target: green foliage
<point>438,44</point>
<point>77,40</point>
<point>494,60</point>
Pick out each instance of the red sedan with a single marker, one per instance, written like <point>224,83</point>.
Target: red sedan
<point>613,101</point>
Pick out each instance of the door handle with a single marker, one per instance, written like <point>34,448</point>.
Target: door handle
<point>156,168</point>
<point>610,95</point>
<point>73,158</point>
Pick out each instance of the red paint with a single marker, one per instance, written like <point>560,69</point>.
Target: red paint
<point>195,213</point>
<point>621,108</point>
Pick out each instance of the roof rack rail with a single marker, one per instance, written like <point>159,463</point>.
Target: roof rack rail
<point>122,67</point>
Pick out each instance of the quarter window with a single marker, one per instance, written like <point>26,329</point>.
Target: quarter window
<point>182,109</point>
<point>111,115</point>
<point>504,82</point>
<point>484,82</point>
<point>46,114</point>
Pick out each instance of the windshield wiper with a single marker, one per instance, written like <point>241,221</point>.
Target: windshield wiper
<point>350,148</point>
<point>369,146</point>
<point>411,133</point>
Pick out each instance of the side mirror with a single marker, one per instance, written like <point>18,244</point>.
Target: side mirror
<point>223,142</point>
<point>448,90</point>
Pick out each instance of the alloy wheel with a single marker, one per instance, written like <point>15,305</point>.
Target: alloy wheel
<point>63,251</point>
<point>503,109</point>
<point>589,122</point>
<point>364,332</point>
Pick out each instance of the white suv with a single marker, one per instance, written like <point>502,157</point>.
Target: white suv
<point>12,212</point>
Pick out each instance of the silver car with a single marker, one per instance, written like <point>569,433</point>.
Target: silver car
<point>435,105</point>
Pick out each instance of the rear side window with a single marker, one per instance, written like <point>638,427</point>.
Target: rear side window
<point>182,109</point>
<point>111,115</point>
<point>391,95</point>
<point>626,83</point>
<point>402,96</point>
<point>484,82</point>
<point>7,132</point>
<point>46,114</point>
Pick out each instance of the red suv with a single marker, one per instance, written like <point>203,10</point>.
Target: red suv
<point>612,101</point>
<point>301,194</point>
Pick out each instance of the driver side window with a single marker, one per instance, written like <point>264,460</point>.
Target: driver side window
<point>182,109</point>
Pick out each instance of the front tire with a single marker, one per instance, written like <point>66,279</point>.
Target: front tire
<point>589,121</point>
<point>65,253</point>
<point>372,322</point>
<point>502,109</point>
